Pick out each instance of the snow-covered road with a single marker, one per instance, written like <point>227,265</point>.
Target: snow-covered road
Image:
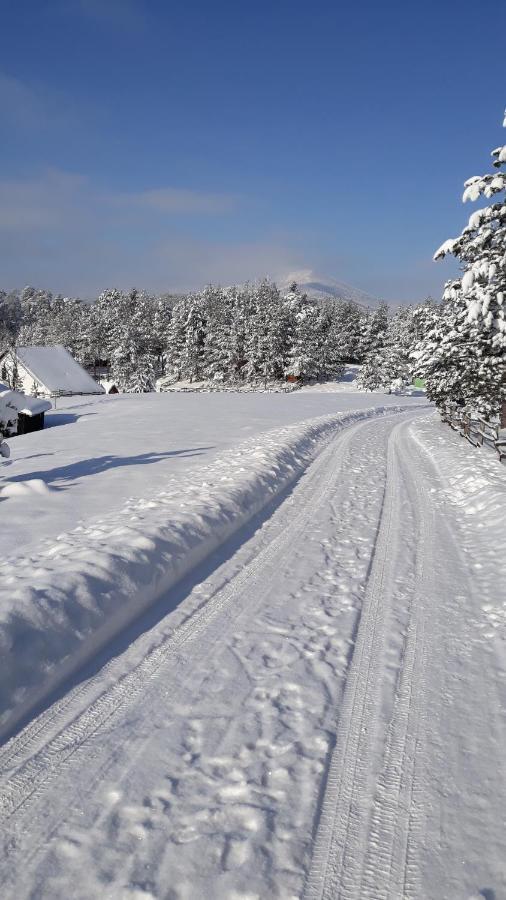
<point>318,711</point>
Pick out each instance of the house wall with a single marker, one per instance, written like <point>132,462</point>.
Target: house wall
<point>26,381</point>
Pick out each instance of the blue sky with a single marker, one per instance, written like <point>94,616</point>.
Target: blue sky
<point>167,144</point>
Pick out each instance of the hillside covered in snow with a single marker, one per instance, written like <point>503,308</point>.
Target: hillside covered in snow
<point>322,287</point>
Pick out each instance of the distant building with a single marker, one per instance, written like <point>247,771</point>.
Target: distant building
<point>46,372</point>
<point>110,387</point>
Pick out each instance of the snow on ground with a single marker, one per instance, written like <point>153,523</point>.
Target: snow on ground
<point>464,796</point>
<point>316,711</point>
<point>96,452</point>
<point>474,493</point>
<point>346,383</point>
<point>74,592</point>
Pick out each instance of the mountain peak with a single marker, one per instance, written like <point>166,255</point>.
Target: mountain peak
<point>323,287</point>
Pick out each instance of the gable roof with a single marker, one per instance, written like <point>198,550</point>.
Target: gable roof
<point>56,370</point>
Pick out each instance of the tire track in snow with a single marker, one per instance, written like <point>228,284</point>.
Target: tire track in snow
<point>340,844</point>
<point>26,740</point>
<point>391,867</point>
<point>34,774</point>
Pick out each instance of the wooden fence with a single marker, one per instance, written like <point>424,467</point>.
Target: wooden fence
<point>477,430</point>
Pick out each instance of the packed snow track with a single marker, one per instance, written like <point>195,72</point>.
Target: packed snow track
<point>319,715</point>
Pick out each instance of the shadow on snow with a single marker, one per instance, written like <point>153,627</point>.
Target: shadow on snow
<point>97,465</point>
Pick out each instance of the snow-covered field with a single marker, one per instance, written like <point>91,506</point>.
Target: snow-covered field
<point>316,708</point>
<point>96,452</point>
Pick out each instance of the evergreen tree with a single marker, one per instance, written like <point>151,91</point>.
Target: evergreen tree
<point>239,321</point>
<point>333,345</point>
<point>390,365</point>
<point>463,354</point>
<point>349,329</point>
<point>299,361</point>
<point>192,354</point>
<point>216,353</point>
<point>15,382</point>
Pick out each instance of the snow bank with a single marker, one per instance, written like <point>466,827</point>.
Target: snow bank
<point>474,483</point>
<point>60,605</point>
<point>474,479</point>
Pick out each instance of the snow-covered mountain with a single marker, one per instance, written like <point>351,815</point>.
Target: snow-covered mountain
<point>319,287</point>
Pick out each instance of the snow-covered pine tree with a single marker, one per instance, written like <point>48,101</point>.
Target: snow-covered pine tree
<point>10,318</point>
<point>263,351</point>
<point>15,382</point>
<point>373,340</point>
<point>192,354</point>
<point>391,365</point>
<point>103,321</point>
<point>239,326</point>
<point>332,343</point>
<point>299,362</point>
<point>275,327</point>
<point>143,374</point>
<point>161,324</point>
<point>175,340</point>
<point>348,326</point>
<point>376,329</point>
<point>133,360</point>
<point>216,353</point>
<point>310,340</point>
<point>463,355</point>
<point>36,317</point>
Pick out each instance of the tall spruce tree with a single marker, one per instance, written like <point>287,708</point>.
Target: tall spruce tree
<point>463,354</point>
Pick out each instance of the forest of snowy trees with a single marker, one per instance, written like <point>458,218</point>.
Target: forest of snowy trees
<point>250,334</point>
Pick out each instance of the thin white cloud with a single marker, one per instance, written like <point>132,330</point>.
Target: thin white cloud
<point>20,105</point>
<point>185,263</point>
<point>177,200</point>
<point>129,15</point>
<point>26,107</point>
<point>55,195</point>
<point>42,202</point>
<point>61,231</point>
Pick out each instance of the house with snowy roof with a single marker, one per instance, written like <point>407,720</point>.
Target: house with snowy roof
<point>20,414</point>
<point>46,372</point>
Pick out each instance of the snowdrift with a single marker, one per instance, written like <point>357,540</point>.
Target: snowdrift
<point>474,479</point>
<point>473,483</point>
<point>60,606</point>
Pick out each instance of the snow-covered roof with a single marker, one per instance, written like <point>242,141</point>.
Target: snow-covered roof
<point>30,406</point>
<point>57,370</point>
